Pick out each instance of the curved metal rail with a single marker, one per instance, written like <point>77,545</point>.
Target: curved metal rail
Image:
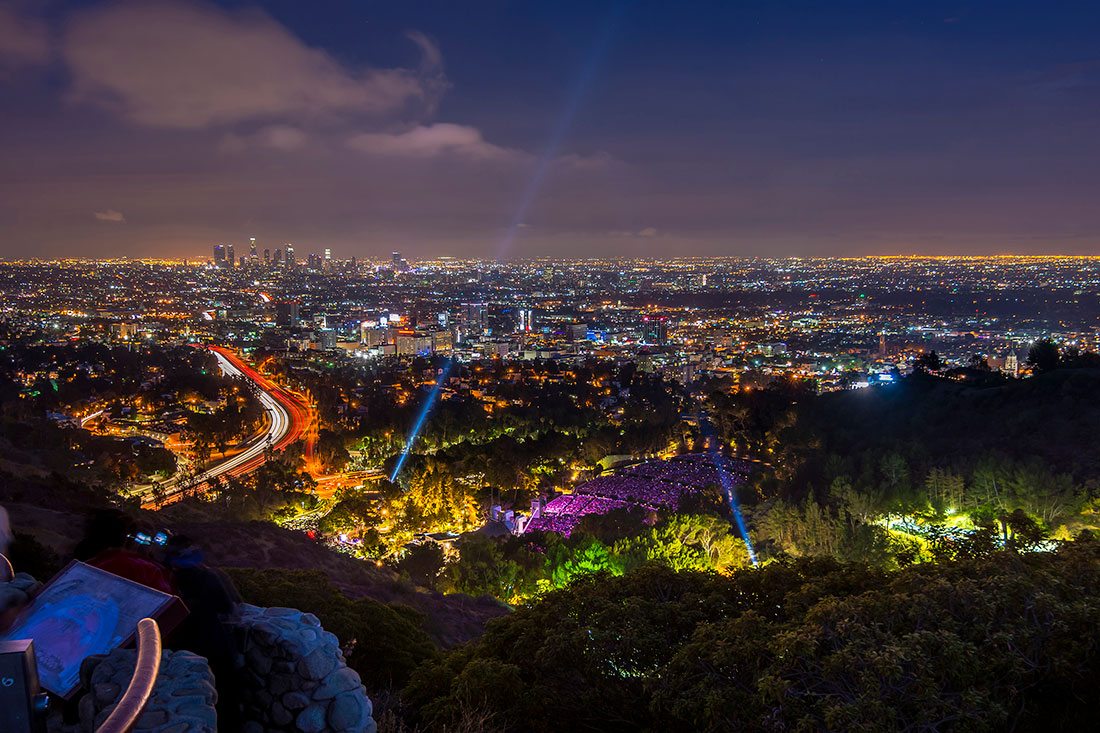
<point>132,703</point>
<point>7,572</point>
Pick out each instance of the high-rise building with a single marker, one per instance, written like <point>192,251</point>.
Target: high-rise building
<point>229,257</point>
<point>524,317</point>
<point>654,331</point>
<point>577,332</point>
<point>1012,364</point>
<point>286,313</point>
<point>252,249</point>
<point>395,261</point>
<point>289,254</point>
<point>473,319</point>
<point>407,341</point>
<point>267,256</point>
<point>328,254</point>
<point>219,255</point>
<point>278,258</point>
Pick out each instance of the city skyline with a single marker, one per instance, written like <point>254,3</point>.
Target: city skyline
<point>159,129</point>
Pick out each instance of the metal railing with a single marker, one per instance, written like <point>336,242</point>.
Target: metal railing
<point>132,703</point>
<point>7,572</point>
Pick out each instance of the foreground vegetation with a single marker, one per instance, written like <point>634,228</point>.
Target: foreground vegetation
<point>994,642</point>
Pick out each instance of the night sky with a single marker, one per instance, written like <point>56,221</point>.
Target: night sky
<point>519,129</point>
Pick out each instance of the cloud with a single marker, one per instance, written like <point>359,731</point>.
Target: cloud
<point>286,138</point>
<point>429,141</point>
<point>110,215</point>
<point>168,63</point>
<point>24,41</point>
<point>647,233</point>
<point>431,60</point>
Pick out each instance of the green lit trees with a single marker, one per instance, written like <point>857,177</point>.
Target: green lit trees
<point>998,641</point>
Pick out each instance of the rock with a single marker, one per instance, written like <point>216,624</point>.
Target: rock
<point>188,725</point>
<point>280,683</point>
<point>191,703</point>
<point>280,716</point>
<point>342,680</point>
<point>252,727</point>
<point>26,583</point>
<point>88,667</point>
<point>317,664</point>
<point>312,719</point>
<point>11,597</point>
<point>266,633</point>
<point>101,716</point>
<point>293,674</point>
<point>106,692</point>
<point>295,700</point>
<point>152,719</point>
<point>284,667</point>
<point>200,688</point>
<point>86,709</point>
<point>258,661</point>
<point>347,711</point>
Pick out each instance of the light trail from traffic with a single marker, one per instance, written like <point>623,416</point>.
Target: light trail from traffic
<point>287,418</point>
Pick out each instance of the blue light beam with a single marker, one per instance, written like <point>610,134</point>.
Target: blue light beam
<point>422,418</point>
<point>565,121</point>
<point>731,498</point>
<point>729,492</point>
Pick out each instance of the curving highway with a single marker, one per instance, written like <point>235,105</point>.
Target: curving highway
<point>286,419</point>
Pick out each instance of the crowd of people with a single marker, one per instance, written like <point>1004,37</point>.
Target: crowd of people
<point>649,486</point>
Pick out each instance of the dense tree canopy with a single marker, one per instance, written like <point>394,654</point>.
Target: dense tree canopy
<point>996,641</point>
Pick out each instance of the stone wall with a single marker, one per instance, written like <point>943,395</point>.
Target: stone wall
<point>293,675</point>
<point>183,698</point>
<point>293,678</point>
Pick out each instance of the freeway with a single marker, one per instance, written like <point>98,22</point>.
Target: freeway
<point>286,419</point>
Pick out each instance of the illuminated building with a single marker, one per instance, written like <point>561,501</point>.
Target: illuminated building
<point>286,313</point>
<point>654,331</point>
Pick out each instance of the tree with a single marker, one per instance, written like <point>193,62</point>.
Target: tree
<point>810,644</point>
<point>1043,356</point>
<point>977,361</point>
<point>929,362</point>
<point>350,514</point>
<point>422,563</point>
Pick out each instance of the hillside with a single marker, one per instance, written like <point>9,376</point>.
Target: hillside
<point>1052,418</point>
<point>53,512</point>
